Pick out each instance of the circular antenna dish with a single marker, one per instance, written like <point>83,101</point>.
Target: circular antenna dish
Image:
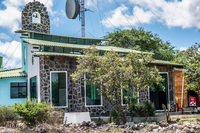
<point>72,8</point>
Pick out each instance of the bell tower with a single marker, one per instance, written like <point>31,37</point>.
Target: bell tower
<point>35,17</point>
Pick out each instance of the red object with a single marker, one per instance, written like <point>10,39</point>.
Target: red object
<point>179,108</point>
<point>193,101</point>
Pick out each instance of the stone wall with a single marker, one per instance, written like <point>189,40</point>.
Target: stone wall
<point>76,92</point>
<point>27,13</point>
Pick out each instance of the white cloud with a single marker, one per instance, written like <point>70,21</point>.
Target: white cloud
<point>10,17</point>
<point>90,3</point>
<point>3,36</point>
<point>184,14</point>
<point>120,17</point>
<point>183,48</point>
<point>12,51</point>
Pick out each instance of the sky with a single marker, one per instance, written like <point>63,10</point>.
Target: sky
<point>176,21</point>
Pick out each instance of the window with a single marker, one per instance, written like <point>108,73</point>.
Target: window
<point>59,49</point>
<point>92,94</point>
<point>59,88</point>
<point>68,50</point>
<point>18,90</point>
<point>24,56</point>
<point>78,51</point>
<point>36,18</point>
<point>33,88</point>
<point>48,49</point>
<point>128,93</point>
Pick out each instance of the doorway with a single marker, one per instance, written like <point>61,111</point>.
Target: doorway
<point>158,96</point>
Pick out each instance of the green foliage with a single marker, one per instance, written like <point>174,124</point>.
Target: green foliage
<point>116,118</point>
<point>131,106</point>
<point>113,72</point>
<point>33,112</point>
<point>196,112</point>
<point>7,113</point>
<point>139,39</point>
<point>166,109</point>
<point>191,59</point>
<point>144,109</point>
<point>198,119</point>
<point>150,107</point>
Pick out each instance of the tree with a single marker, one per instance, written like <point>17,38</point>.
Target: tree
<point>139,39</point>
<point>191,60</point>
<point>115,73</point>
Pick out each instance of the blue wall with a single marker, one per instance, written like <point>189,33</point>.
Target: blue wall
<point>5,91</point>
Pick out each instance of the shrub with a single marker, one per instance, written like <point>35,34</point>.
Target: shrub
<point>143,109</point>
<point>116,118</point>
<point>150,108</point>
<point>56,117</point>
<point>33,112</point>
<point>7,113</point>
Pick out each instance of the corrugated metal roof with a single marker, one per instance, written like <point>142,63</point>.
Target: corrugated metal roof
<point>28,31</point>
<point>162,62</point>
<point>55,54</point>
<point>2,69</point>
<point>57,44</point>
<point>75,55</point>
<point>19,72</point>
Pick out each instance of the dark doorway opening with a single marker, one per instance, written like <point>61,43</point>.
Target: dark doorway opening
<point>158,96</point>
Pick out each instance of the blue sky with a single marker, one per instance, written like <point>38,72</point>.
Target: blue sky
<point>176,21</point>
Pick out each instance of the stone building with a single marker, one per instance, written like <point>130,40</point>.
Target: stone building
<point>49,60</point>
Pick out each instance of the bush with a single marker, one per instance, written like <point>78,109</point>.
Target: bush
<point>144,109</point>
<point>196,112</point>
<point>150,108</point>
<point>56,117</point>
<point>33,112</point>
<point>7,113</point>
<point>116,118</point>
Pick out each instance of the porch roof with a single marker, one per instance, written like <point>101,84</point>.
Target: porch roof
<point>68,45</point>
<point>18,72</point>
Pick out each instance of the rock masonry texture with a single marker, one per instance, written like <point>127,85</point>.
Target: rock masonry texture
<point>27,23</point>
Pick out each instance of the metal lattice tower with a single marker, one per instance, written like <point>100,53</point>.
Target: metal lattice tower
<point>82,11</point>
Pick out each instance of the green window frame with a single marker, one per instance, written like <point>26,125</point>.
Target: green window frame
<point>59,89</point>
<point>18,90</point>
<point>92,96</point>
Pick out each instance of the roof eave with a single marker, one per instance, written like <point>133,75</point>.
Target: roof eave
<point>25,31</point>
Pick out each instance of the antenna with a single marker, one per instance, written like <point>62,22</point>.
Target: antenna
<point>75,7</point>
<point>83,18</point>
